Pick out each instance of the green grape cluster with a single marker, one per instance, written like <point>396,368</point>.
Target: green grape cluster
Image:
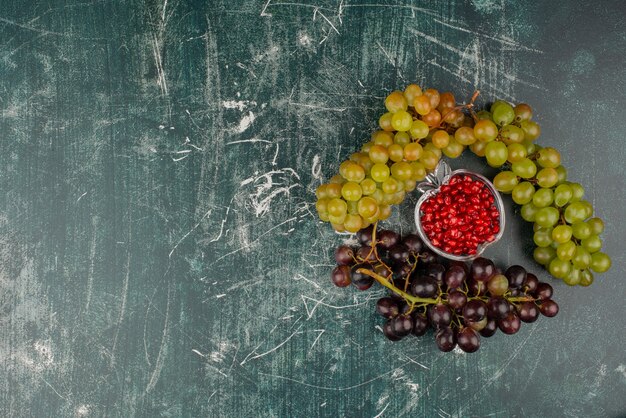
<point>420,127</point>
<point>414,134</point>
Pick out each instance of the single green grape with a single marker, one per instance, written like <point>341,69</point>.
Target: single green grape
<point>454,148</point>
<point>465,135</point>
<point>419,129</point>
<point>575,212</point>
<point>382,138</point>
<point>401,170</point>
<point>600,262</point>
<point>549,157</point>
<point>378,154</point>
<point>529,212</point>
<point>396,152</point>
<point>562,233</point>
<point>581,230</point>
<point>597,225</point>
<point>353,207</point>
<point>429,159</point>
<point>524,168</point>
<point>562,194</point>
<point>559,268</point>
<point>543,197</point>
<point>485,130</point>
<point>504,181</point>
<point>531,129</point>
<point>562,172</point>
<point>496,153</point>
<point>592,244</point>
<point>352,171</point>
<point>547,177</point>
<point>483,115</point>
<point>543,255</point>
<point>547,217</point>
<point>577,192</point>
<point>582,258</point>
<point>401,138</point>
<point>390,186</point>
<point>402,121</point>
<point>566,250</point>
<point>497,104</point>
<point>516,152</point>
<point>396,101</point>
<point>351,191</point>
<point>531,147</point>
<point>588,208</point>
<point>543,237</point>
<point>573,277</point>
<point>368,186</point>
<point>511,134</point>
<point>378,195</point>
<point>586,278</point>
<point>337,207</point>
<point>379,172</point>
<point>523,193</point>
<point>337,220</point>
<point>353,223</point>
<point>503,114</point>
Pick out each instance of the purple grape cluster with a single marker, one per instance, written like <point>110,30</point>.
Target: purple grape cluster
<point>460,302</point>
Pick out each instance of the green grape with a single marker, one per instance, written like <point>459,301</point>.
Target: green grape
<point>402,121</point>
<point>351,191</point>
<point>582,258</point>
<point>337,207</point>
<point>523,193</point>
<point>531,147</point>
<point>401,138</point>
<point>577,191</point>
<point>600,262</point>
<point>396,152</point>
<point>597,225</point>
<point>503,114</point>
<point>531,129</point>
<point>384,212</point>
<point>440,139</point>
<point>454,149</point>
<point>418,171</point>
<point>562,194</point>
<point>559,268</point>
<point>516,152</point>
<point>368,186</point>
<point>543,237</point>
<point>465,135</point>
<point>367,207</point>
<point>586,278</point>
<point>566,250</point>
<point>581,230</point>
<point>483,115</point>
<point>543,197</point>
<point>575,212</point>
<point>378,154</point>
<point>419,129</point>
<point>382,138</point>
<point>353,223</point>
<point>504,181</point>
<point>573,277</point>
<point>543,255</point>
<point>337,220</point>
<point>396,102</point>
<point>379,172</point>
<point>549,157</point>
<point>390,186</point>
<point>413,151</point>
<point>511,134</point>
<point>352,171</point>
<point>529,211</point>
<point>547,217</point>
<point>562,172</point>
<point>523,112</point>
<point>562,233</point>
<point>592,244</point>
<point>411,92</point>
<point>322,205</point>
<point>378,195</point>
<point>524,168</point>
<point>547,177</point>
<point>333,190</point>
<point>353,207</point>
<point>496,153</point>
<point>478,148</point>
<point>432,148</point>
<point>497,104</point>
<point>429,159</point>
<point>485,130</point>
<point>401,170</point>
<point>410,185</point>
<point>385,122</point>
<point>588,208</point>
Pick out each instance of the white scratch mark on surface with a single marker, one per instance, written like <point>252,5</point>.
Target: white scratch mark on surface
<point>383,411</point>
<point>156,373</point>
<point>316,168</point>
<point>336,389</point>
<point>245,360</point>
<point>208,213</point>
<point>124,299</point>
<point>52,387</point>
<point>81,196</point>
<point>238,104</point>
<point>436,41</point>
<point>197,352</point>
<point>321,331</point>
<point>311,311</point>
<point>317,11</point>
<point>220,296</point>
<point>245,122</point>
<point>251,140</point>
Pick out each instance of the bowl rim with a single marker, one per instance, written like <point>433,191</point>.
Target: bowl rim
<point>483,246</point>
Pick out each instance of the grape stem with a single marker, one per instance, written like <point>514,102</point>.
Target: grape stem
<point>380,279</point>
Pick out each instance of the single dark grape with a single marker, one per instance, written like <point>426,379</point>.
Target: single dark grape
<point>402,270</point>
<point>490,328</point>
<point>436,271</point>
<point>455,276</point>
<point>549,308</point>
<point>497,308</point>
<point>428,257</point>
<point>457,299</point>
<point>341,276</point>
<point>482,269</point>
<point>387,307</point>
<point>439,315</point>
<point>399,254</point>
<point>413,243</point>
<point>468,340</point>
<point>445,339</point>
<point>544,291</point>
<point>365,253</point>
<point>510,324</point>
<point>530,285</point>
<point>402,325</point>
<point>516,292</point>
<point>516,276</point>
<point>420,324</point>
<point>528,312</point>
<point>383,271</point>
<point>344,255</point>
<point>462,264</point>
<point>363,283</point>
<point>424,287</point>
<point>474,310</point>
<point>387,239</point>
<point>476,288</point>
<point>365,235</point>
<point>388,331</point>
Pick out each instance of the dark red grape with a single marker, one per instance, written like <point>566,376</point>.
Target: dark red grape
<point>365,253</point>
<point>497,308</point>
<point>344,255</point>
<point>462,264</point>
<point>424,287</point>
<point>530,285</point>
<point>445,339</point>
<point>436,271</point>
<point>383,271</point>
<point>477,288</point>
<point>549,308</point>
<point>468,340</point>
<point>387,239</point>
<point>402,270</point>
<point>516,276</point>
<point>341,276</point>
<point>363,283</point>
<point>428,257</point>
<point>474,310</point>
<point>439,315</point>
<point>365,235</point>
<point>477,325</point>
<point>528,312</point>
<point>420,324</point>
<point>544,291</point>
<point>510,324</point>
<point>387,307</point>
<point>388,331</point>
<point>455,276</point>
<point>489,329</point>
<point>482,269</point>
<point>413,243</point>
<point>399,254</point>
<point>402,325</point>
<point>457,299</point>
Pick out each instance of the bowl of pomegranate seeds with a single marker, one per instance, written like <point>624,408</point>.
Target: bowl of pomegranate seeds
<point>459,214</point>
